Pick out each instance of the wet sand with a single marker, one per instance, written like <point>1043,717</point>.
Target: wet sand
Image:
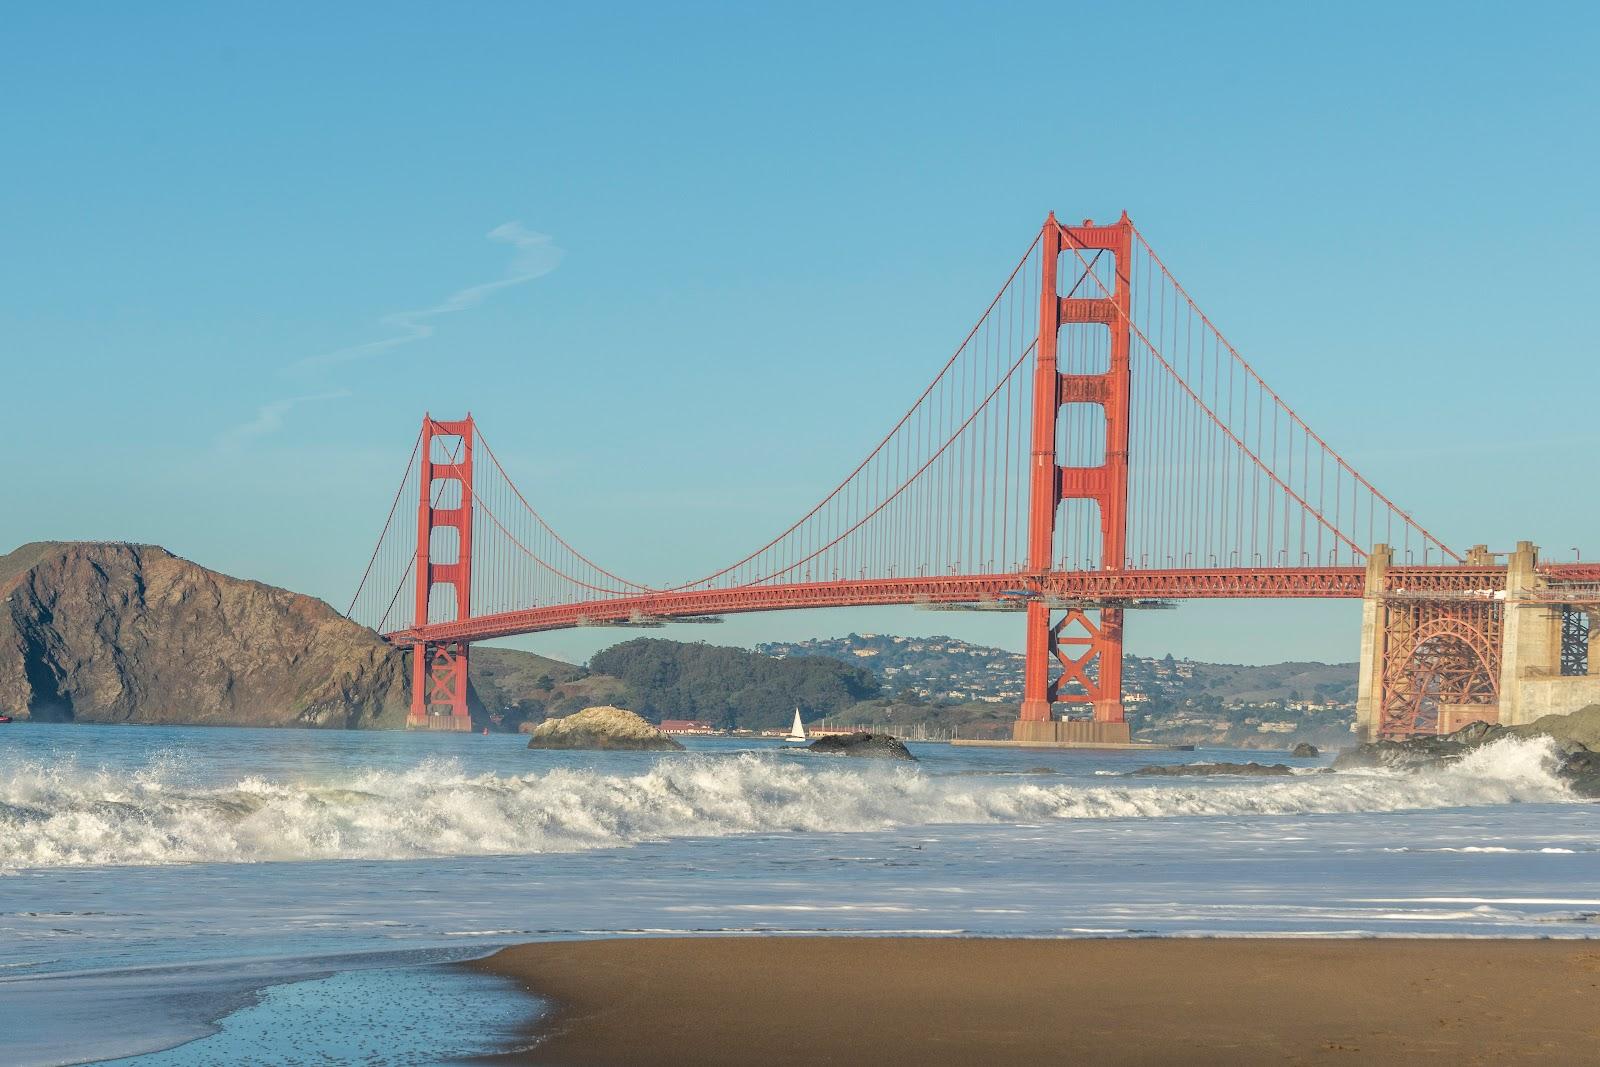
<point>933,1002</point>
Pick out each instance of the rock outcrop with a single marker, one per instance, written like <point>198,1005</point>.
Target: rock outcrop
<point>1188,770</point>
<point>1579,728</point>
<point>1581,770</point>
<point>1304,750</point>
<point>110,632</point>
<point>1576,737</point>
<point>876,746</point>
<point>602,727</point>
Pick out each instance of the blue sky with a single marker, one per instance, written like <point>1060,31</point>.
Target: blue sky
<point>685,264</point>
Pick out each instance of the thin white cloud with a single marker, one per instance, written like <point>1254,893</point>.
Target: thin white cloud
<point>269,418</point>
<point>534,255</point>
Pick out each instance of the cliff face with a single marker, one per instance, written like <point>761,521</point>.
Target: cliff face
<point>104,632</point>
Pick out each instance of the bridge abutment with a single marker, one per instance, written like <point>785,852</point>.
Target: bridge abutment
<point>1532,644</point>
<point>1370,686</point>
<point>1539,674</point>
<point>1508,646</point>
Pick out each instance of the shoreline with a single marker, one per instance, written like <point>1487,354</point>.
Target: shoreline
<point>779,1000</point>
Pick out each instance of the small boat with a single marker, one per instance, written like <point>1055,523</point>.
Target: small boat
<point>797,732</point>
<point>5,719</point>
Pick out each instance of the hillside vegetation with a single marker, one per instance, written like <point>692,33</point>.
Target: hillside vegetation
<point>939,684</point>
<point>946,684</point>
<point>731,687</point>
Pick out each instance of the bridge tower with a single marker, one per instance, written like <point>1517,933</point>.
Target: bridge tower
<point>439,669</point>
<point>1071,642</point>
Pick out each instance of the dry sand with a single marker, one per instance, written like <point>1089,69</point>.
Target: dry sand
<point>930,1002</point>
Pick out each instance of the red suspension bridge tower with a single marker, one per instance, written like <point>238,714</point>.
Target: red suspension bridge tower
<point>1087,652</point>
<point>444,507</point>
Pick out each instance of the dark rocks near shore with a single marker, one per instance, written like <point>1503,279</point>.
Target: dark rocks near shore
<point>1412,753</point>
<point>1204,770</point>
<point>1304,750</point>
<point>1576,738</point>
<point>1582,773</point>
<point>1580,730</point>
<point>873,746</point>
<point>1572,734</point>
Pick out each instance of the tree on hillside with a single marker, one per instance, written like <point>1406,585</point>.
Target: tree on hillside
<point>731,687</point>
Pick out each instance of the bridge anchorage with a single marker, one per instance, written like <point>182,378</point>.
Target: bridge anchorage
<point>1092,445</point>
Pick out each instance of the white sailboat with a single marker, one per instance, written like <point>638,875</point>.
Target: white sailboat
<point>797,732</point>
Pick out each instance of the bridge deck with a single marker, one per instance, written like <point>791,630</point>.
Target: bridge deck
<point>1297,583</point>
<point>1087,586</point>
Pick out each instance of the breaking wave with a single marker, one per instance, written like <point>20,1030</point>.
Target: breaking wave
<point>63,816</point>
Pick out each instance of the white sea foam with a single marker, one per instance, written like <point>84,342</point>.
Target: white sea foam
<point>65,816</point>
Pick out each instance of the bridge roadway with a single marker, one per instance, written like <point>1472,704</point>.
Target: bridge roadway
<point>1090,587</point>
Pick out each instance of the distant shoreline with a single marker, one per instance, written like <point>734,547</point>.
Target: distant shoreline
<point>946,1001</point>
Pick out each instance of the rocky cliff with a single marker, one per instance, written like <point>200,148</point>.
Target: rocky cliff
<point>108,632</point>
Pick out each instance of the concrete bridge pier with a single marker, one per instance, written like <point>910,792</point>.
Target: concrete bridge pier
<point>1532,682</point>
<point>1532,644</point>
<point>1369,694</point>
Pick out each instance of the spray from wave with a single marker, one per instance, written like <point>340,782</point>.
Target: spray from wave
<point>64,816</point>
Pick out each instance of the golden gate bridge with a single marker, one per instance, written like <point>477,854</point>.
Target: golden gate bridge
<point>1093,444</point>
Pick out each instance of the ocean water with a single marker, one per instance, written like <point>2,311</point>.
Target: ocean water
<point>181,896</point>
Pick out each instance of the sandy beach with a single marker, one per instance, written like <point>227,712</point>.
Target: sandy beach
<point>887,1001</point>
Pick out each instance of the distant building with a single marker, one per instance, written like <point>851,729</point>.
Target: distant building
<point>686,726</point>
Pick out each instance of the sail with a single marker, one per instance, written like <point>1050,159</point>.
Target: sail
<point>797,732</point>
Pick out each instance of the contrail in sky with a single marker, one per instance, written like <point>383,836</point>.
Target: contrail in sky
<point>535,255</point>
<point>269,417</point>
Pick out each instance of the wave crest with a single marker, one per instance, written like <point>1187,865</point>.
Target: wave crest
<point>62,816</point>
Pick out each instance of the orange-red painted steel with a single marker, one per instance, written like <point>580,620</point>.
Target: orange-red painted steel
<point>439,667</point>
<point>1063,588</point>
<point>1092,674</point>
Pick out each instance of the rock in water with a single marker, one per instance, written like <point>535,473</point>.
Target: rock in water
<point>1576,738</point>
<point>1478,733</point>
<point>602,727</point>
<point>877,746</point>
<point>1185,770</point>
<point>1304,750</point>
<point>112,632</point>
<point>1581,728</point>
<point>1581,770</point>
<point>1411,753</point>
